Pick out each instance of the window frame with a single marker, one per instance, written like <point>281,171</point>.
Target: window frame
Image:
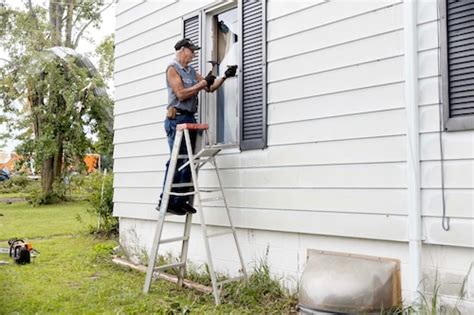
<point>208,100</point>
<point>248,137</point>
<point>449,123</point>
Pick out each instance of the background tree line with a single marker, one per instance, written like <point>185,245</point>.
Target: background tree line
<point>53,100</point>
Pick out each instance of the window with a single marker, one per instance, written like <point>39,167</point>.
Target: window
<point>232,34</point>
<point>457,64</point>
<point>221,49</point>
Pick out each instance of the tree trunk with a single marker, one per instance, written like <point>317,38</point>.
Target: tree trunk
<point>58,158</point>
<point>70,14</point>
<point>55,20</point>
<point>47,178</point>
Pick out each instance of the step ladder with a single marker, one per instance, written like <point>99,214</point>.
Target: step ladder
<point>195,162</point>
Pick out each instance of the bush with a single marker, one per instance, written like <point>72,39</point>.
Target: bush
<point>100,197</point>
<point>20,181</point>
<point>36,196</point>
<point>78,185</point>
<point>17,184</point>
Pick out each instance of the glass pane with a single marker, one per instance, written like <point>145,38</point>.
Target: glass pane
<point>228,95</point>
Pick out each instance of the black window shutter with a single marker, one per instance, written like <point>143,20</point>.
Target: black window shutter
<point>458,51</point>
<point>191,30</point>
<point>253,116</point>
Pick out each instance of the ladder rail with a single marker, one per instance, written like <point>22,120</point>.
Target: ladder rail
<point>234,233</point>
<point>184,248</point>
<point>203,221</point>
<point>162,213</point>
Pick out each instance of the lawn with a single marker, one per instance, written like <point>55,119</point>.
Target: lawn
<point>25,221</point>
<point>74,274</point>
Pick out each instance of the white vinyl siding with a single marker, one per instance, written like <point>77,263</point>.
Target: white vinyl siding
<point>336,157</point>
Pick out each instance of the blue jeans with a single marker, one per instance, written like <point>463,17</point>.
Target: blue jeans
<point>183,176</point>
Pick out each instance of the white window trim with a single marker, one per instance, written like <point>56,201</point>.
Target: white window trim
<point>208,100</point>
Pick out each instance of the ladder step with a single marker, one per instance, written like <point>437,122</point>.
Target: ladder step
<point>183,194</point>
<point>221,283</point>
<point>211,199</point>
<point>183,156</point>
<point>174,239</point>
<point>196,164</point>
<point>168,266</point>
<point>180,185</point>
<point>209,190</point>
<point>219,234</point>
<point>207,152</point>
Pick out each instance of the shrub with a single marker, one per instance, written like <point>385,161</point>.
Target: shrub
<point>78,185</point>
<point>17,184</point>
<point>36,196</point>
<point>19,180</point>
<point>100,197</point>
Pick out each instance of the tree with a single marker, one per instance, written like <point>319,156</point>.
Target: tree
<point>104,144</point>
<point>54,95</point>
<point>105,51</point>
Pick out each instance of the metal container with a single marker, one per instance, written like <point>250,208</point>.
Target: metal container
<point>335,282</point>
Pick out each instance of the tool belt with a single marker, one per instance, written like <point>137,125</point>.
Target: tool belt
<point>172,112</point>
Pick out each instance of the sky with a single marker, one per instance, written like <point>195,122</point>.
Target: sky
<point>85,47</point>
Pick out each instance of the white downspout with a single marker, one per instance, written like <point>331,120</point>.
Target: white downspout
<point>413,149</point>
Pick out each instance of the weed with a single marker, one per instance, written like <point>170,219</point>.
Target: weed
<point>260,288</point>
<point>103,251</point>
<point>462,291</point>
<point>431,302</point>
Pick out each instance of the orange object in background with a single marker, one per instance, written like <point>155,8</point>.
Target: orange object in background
<point>92,161</point>
<point>7,161</point>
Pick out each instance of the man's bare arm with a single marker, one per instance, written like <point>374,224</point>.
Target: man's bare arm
<point>178,88</point>
<point>217,84</point>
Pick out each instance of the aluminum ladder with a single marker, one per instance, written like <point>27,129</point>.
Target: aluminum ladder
<point>195,162</point>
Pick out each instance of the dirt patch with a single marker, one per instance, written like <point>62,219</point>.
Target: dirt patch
<point>12,200</point>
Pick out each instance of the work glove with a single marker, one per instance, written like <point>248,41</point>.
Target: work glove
<point>210,78</point>
<point>230,72</point>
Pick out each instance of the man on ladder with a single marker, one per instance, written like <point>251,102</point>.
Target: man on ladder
<point>184,84</point>
<point>181,185</point>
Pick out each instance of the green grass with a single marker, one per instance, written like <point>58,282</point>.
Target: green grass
<point>25,221</point>
<point>74,274</point>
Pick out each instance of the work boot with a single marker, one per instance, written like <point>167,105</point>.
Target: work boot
<point>174,209</point>
<point>188,208</point>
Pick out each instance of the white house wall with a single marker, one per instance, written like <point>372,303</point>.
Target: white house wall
<point>335,166</point>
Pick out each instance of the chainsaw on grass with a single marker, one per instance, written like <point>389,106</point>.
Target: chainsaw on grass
<point>21,251</point>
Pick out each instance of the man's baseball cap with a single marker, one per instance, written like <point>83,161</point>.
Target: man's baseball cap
<point>186,42</point>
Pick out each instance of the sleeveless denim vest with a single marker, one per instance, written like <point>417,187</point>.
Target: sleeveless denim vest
<point>188,76</point>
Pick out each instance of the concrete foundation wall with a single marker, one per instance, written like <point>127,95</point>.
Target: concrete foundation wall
<point>285,253</point>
